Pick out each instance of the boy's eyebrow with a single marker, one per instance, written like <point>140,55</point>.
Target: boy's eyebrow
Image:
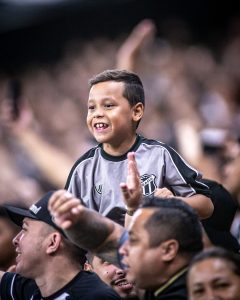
<point>103,99</point>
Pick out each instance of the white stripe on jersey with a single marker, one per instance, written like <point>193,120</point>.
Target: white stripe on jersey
<point>11,291</point>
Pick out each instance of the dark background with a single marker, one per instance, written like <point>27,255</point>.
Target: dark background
<point>37,32</point>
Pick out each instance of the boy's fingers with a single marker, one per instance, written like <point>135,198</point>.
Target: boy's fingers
<point>125,191</point>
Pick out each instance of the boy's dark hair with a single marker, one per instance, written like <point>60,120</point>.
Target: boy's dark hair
<point>174,220</point>
<point>232,259</point>
<point>133,90</point>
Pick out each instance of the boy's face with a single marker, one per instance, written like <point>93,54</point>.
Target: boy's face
<point>110,117</point>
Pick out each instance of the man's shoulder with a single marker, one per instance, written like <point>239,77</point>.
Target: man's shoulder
<point>90,286</point>
<point>14,285</point>
<point>86,285</point>
<point>175,288</point>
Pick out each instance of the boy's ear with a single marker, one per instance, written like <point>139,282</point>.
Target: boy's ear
<point>138,110</point>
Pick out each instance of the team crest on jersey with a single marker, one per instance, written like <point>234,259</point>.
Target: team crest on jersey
<point>98,189</point>
<point>148,184</point>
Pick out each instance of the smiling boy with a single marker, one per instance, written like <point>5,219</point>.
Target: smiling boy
<point>115,108</point>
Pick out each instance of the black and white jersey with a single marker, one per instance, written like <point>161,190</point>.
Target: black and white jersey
<point>84,286</point>
<point>95,177</point>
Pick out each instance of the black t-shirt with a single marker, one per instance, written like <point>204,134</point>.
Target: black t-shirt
<point>174,289</point>
<point>84,286</point>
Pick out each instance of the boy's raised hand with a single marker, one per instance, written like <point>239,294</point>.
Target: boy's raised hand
<point>132,189</point>
<point>65,208</point>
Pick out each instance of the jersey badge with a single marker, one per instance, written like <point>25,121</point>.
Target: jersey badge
<point>148,184</point>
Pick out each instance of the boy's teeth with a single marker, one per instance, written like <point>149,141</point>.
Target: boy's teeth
<point>101,125</point>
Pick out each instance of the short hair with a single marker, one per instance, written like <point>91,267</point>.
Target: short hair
<point>75,253</point>
<point>173,220</point>
<point>133,87</point>
<point>232,259</point>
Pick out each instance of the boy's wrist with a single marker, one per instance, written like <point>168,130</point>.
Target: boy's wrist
<point>130,211</point>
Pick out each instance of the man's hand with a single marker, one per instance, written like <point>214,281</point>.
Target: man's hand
<point>65,208</point>
<point>132,189</point>
<point>85,227</point>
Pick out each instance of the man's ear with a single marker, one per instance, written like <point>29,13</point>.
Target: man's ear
<point>53,242</point>
<point>138,110</point>
<point>169,250</point>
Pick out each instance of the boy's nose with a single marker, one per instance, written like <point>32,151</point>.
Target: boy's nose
<point>98,113</point>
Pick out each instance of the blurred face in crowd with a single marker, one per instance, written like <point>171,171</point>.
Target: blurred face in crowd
<point>115,277</point>
<point>110,116</point>
<point>213,278</point>
<point>144,263</point>
<point>7,232</point>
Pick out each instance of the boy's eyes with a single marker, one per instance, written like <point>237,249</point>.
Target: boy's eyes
<point>107,105</point>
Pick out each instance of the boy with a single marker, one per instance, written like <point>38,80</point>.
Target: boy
<point>115,109</point>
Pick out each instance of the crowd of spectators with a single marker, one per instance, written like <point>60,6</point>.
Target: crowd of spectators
<point>192,92</point>
<point>193,104</point>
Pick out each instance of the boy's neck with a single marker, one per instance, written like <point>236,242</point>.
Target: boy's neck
<point>120,149</point>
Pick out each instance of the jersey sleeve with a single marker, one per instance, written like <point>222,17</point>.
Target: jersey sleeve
<point>90,153</point>
<point>180,177</point>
